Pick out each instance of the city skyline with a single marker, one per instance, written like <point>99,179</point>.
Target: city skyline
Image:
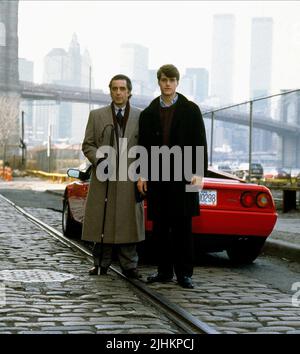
<point>174,47</point>
<point>222,64</point>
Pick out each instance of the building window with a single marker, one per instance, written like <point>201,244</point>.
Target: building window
<point>2,35</point>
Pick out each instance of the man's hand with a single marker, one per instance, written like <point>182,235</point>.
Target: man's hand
<point>142,186</point>
<point>197,181</point>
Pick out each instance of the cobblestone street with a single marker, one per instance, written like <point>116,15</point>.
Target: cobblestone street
<point>230,300</point>
<point>226,300</point>
<point>82,304</point>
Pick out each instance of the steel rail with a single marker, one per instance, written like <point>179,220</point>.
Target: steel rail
<point>180,317</point>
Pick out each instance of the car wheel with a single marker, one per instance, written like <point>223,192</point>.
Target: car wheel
<point>70,227</point>
<point>245,250</point>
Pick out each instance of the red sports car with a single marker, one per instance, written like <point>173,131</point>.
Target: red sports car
<point>235,216</point>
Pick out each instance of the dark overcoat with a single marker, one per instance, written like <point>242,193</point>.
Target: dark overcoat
<point>187,129</point>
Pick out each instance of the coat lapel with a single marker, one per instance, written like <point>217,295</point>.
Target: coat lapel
<point>108,123</point>
<point>155,122</point>
<point>178,116</point>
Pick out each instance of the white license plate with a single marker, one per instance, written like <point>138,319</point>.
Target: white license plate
<point>208,197</point>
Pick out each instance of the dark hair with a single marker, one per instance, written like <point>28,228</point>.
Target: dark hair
<point>122,77</point>
<point>169,70</point>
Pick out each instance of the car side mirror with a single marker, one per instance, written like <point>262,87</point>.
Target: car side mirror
<point>75,173</point>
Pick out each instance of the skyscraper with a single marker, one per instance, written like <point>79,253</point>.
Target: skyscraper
<point>134,63</point>
<point>194,84</point>
<point>25,70</point>
<point>86,64</point>
<point>261,57</point>
<point>57,70</point>
<point>199,78</point>
<point>222,69</point>
<point>74,62</point>
<point>260,75</point>
<point>56,67</point>
<point>66,67</point>
<point>73,69</point>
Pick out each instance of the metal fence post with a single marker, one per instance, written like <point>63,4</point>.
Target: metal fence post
<point>250,137</point>
<point>212,137</point>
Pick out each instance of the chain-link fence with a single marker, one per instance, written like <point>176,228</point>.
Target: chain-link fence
<point>261,132</point>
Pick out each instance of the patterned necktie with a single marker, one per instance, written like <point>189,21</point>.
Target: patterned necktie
<point>119,117</point>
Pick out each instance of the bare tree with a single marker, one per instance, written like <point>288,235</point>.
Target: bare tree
<point>9,111</point>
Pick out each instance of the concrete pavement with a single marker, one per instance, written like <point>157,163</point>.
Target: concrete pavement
<point>284,241</point>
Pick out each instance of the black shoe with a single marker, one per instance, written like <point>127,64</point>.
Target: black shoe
<point>94,270</point>
<point>159,277</point>
<point>186,282</point>
<point>131,273</point>
<point>103,270</point>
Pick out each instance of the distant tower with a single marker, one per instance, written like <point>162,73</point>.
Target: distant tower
<point>200,82</point>
<point>75,62</point>
<point>86,64</point>
<point>56,65</point>
<point>223,58</point>
<point>68,68</point>
<point>9,78</point>
<point>62,67</point>
<point>9,74</point>
<point>134,63</point>
<point>260,75</point>
<point>261,58</point>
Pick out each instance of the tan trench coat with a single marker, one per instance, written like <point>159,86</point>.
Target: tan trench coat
<point>124,222</point>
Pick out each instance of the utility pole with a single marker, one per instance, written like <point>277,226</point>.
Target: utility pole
<point>90,87</point>
<point>250,137</point>
<point>22,144</point>
<point>49,147</point>
<point>212,137</point>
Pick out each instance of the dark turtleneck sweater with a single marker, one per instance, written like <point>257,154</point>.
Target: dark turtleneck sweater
<point>166,117</point>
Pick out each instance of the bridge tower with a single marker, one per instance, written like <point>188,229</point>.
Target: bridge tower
<point>9,73</point>
<point>290,114</point>
<point>9,83</point>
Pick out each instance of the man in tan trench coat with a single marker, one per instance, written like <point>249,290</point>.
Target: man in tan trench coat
<point>124,216</point>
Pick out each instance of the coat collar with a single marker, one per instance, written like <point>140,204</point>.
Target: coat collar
<point>154,108</point>
<point>130,126</point>
<point>154,105</point>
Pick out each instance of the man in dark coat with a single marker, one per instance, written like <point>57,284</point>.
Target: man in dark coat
<point>172,120</point>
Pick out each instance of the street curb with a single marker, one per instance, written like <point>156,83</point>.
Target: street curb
<point>282,249</point>
<point>56,192</point>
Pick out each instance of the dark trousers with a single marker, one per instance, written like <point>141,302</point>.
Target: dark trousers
<point>174,245</point>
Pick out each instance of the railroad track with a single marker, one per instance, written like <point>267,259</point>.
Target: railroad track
<point>229,299</point>
<point>186,323</point>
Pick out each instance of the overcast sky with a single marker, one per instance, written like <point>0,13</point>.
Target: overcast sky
<point>178,32</point>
